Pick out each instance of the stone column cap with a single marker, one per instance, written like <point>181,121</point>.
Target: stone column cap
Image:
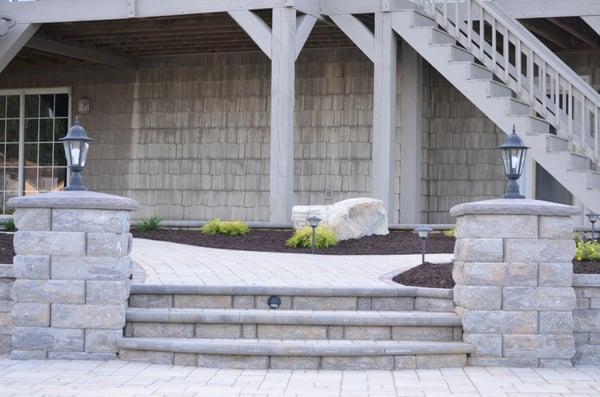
<point>513,207</point>
<point>75,200</point>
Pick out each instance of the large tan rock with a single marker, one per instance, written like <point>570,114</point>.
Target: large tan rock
<point>352,218</point>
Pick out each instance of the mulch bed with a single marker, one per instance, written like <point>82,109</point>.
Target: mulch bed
<point>7,251</point>
<point>274,240</point>
<point>430,275</point>
<point>439,275</point>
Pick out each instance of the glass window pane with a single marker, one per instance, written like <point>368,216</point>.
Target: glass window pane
<point>12,106</point>
<point>12,155</point>
<point>31,130</point>
<point>60,178</point>
<point>2,106</point>
<point>2,131</point>
<point>31,185</point>
<point>47,105</point>
<point>59,155</point>
<point>12,130</point>
<point>4,198</point>
<point>31,155</point>
<point>45,154</point>
<point>62,105</point>
<point>11,179</point>
<point>46,128</point>
<point>60,128</point>
<point>32,105</point>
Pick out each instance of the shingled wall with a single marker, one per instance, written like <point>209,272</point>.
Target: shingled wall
<point>188,137</point>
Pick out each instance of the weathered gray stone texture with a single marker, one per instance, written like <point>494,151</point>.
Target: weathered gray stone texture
<point>514,289</point>
<point>587,319</point>
<point>72,283</point>
<point>6,304</point>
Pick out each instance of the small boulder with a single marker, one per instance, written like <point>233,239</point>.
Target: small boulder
<point>352,218</point>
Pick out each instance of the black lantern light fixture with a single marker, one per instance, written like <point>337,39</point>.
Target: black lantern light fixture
<point>514,153</point>
<point>76,144</point>
<point>593,218</point>
<point>313,221</point>
<point>423,232</point>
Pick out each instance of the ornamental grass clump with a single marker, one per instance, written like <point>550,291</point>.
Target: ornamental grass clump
<point>9,225</point>
<point>587,251</point>
<point>226,228</point>
<point>325,238</point>
<point>149,225</point>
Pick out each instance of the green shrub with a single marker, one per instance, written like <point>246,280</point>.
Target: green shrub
<point>149,225</point>
<point>227,228</point>
<point>325,238</point>
<point>450,233</point>
<point>9,225</point>
<point>587,251</point>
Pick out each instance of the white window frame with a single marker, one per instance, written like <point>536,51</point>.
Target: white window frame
<point>22,92</point>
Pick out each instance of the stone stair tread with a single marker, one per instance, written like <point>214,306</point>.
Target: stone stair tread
<point>296,317</point>
<point>294,347</point>
<point>384,291</point>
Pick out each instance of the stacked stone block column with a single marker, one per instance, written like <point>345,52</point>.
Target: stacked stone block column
<point>513,272</point>
<point>72,275</point>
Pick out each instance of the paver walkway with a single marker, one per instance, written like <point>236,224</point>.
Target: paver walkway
<point>124,379</point>
<point>172,263</point>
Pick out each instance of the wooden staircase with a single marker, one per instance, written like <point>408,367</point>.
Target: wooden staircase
<point>515,81</point>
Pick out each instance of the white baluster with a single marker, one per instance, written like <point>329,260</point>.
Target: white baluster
<point>544,89</point>
<point>469,26</point>
<point>518,65</point>
<point>596,132</point>
<point>557,98</point>
<point>571,112</point>
<point>482,32</point>
<point>494,44</point>
<point>506,56</point>
<point>530,75</point>
<point>457,18</point>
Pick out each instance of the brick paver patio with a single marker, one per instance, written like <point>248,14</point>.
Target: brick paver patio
<point>171,263</point>
<point>122,379</point>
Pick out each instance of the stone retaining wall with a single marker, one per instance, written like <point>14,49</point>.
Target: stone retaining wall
<point>587,318</point>
<point>6,282</point>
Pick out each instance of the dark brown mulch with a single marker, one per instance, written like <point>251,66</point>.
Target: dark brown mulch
<point>7,251</point>
<point>430,275</point>
<point>434,275</point>
<point>586,267</point>
<point>274,240</point>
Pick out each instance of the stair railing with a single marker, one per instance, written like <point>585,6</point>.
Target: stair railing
<point>527,66</point>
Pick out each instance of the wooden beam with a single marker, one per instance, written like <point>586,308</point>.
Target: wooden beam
<point>256,28</point>
<point>548,34</point>
<point>384,112</point>
<point>522,9</point>
<point>411,136</point>
<point>360,35</point>
<point>87,54</point>
<point>345,7</point>
<point>590,41</point>
<point>14,39</point>
<point>283,76</point>
<point>49,11</point>
<point>304,25</point>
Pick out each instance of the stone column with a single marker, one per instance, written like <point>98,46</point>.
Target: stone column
<point>72,273</point>
<point>513,272</point>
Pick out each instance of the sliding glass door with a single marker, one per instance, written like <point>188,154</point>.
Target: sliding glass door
<point>31,124</point>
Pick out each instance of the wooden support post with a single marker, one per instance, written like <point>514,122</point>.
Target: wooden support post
<point>411,135</point>
<point>283,57</point>
<point>384,112</point>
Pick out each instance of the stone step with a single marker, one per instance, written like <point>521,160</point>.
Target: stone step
<point>292,298</point>
<point>293,324</point>
<point>295,354</point>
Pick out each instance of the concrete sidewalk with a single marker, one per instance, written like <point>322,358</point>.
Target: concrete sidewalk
<point>172,263</point>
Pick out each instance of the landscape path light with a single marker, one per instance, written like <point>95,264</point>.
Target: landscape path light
<point>514,153</point>
<point>313,221</point>
<point>423,232</point>
<point>76,144</point>
<point>593,218</point>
